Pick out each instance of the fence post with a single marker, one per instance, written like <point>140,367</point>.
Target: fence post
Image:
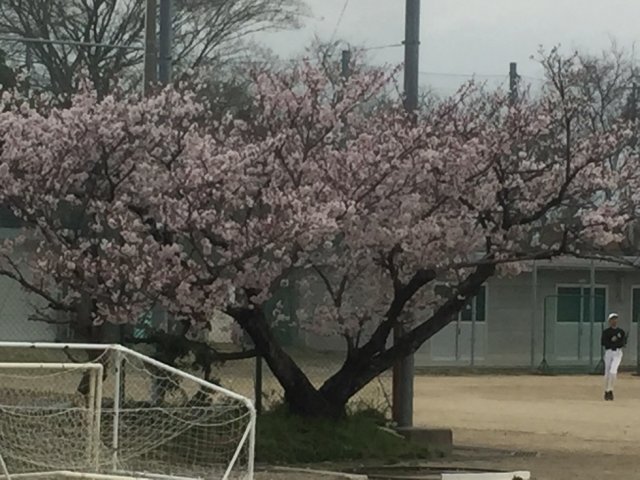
<point>544,365</point>
<point>474,312</point>
<point>257,385</point>
<point>534,305</point>
<point>637,341</point>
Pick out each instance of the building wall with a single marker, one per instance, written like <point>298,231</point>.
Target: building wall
<point>17,308</point>
<point>505,338</point>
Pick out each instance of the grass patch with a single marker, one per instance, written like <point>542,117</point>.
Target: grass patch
<point>288,439</point>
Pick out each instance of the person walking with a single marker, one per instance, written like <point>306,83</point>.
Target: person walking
<point>614,339</point>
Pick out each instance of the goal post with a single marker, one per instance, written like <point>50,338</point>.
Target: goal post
<point>31,398</point>
<point>117,413</point>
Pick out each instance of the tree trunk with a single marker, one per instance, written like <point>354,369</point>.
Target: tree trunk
<point>86,331</point>
<point>363,364</point>
<point>301,397</point>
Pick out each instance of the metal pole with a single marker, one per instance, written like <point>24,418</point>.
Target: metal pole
<point>403,370</point>
<point>257,385</point>
<point>580,322</point>
<point>412,54</point>
<point>117,397</point>
<point>97,419</point>
<point>458,330</point>
<point>91,416</point>
<point>166,41</point>
<point>543,364</point>
<point>150,47</point>
<point>346,64</point>
<point>474,309</point>
<point>637,320</point>
<point>513,82</point>
<point>592,309</point>
<point>534,304</point>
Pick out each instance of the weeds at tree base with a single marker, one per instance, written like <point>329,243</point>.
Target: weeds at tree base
<point>283,438</point>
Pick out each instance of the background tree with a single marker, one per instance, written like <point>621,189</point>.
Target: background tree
<point>316,183</point>
<point>207,32</point>
<point>7,75</point>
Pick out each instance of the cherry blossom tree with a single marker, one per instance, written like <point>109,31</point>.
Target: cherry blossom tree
<point>130,203</point>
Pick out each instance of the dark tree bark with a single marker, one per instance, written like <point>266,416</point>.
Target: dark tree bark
<point>300,395</point>
<point>363,364</point>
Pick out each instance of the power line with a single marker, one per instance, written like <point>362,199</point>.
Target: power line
<point>382,47</point>
<point>335,30</point>
<point>499,76</point>
<point>463,75</point>
<point>68,42</point>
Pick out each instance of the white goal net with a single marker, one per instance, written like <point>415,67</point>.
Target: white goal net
<point>101,411</point>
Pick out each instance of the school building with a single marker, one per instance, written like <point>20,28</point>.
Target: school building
<point>536,319</point>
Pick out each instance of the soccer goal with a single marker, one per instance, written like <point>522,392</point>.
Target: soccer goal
<point>108,412</point>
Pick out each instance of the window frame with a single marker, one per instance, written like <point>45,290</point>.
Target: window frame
<point>582,286</point>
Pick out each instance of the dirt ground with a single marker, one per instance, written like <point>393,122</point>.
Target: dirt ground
<point>559,428</point>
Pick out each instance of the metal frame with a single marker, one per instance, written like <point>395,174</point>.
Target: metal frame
<point>633,287</point>
<point>249,434</point>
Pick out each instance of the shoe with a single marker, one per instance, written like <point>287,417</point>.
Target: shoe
<point>611,396</point>
<point>608,396</point>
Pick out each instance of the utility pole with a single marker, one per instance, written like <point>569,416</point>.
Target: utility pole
<point>346,64</point>
<point>411,54</point>
<point>403,370</point>
<point>28,59</point>
<point>166,41</point>
<point>513,82</point>
<point>150,46</point>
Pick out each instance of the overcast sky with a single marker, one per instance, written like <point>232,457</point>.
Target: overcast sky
<point>469,36</point>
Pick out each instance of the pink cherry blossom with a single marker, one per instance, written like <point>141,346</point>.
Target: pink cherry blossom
<point>362,208</point>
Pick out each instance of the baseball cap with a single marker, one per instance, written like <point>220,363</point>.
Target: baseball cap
<point>613,315</point>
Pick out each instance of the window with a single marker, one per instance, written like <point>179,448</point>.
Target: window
<point>8,219</point>
<point>477,304</point>
<point>635,304</point>
<point>574,304</point>
<point>144,326</point>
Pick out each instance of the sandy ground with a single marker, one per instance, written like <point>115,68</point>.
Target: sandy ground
<point>557,427</point>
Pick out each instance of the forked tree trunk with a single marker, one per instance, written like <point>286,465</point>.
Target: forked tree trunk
<point>301,397</point>
<point>362,364</point>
